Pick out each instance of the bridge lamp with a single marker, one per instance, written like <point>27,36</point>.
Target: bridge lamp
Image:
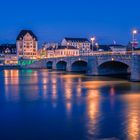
<point>134,33</point>
<point>92,41</point>
<point>97,46</point>
<point>112,59</point>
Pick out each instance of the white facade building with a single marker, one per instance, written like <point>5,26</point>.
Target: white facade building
<point>82,44</point>
<point>27,45</point>
<point>8,55</point>
<point>62,51</point>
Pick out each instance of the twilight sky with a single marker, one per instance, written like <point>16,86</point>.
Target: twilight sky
<point>51,20</point>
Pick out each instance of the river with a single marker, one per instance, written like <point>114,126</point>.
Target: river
<point>51,105</point>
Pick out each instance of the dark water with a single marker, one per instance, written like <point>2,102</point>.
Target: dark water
<point>42,105</point>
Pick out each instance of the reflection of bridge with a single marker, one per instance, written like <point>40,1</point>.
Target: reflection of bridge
<point>97,64</point>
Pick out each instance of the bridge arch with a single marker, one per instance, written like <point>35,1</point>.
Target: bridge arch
<point>79,66</point>
<point>49,65</point>
<point>61,65</point>
<point>113,68</point>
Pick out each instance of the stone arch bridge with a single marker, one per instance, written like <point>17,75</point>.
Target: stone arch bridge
<point>104,64</point>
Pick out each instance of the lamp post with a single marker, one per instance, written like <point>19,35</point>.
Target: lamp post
<point>134,33</point>
<point>92,42</point>
<point>97,46</point>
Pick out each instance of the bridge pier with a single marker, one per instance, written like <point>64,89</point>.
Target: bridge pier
<point>68,68</point>
<point>135,68</point>
<point>92,68</point>
<point>54,66</point>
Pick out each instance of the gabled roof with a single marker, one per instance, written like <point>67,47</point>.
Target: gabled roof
<point>76,39</point>
<point>24,32</point>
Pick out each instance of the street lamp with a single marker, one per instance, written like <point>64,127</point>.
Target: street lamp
<point>92,42</point>
<point>97,46</point>
<point>134,33</point>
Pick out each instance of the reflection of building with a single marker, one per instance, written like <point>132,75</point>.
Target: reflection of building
<point>82,44</point>
<point>8,54</point>
<point>27,45</point>
<point>11,78</point>
<point>62,51</point>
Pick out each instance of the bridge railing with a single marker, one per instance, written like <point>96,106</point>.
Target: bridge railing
<point>98,54</point>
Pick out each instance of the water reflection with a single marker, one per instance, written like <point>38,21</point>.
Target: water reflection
<point>74,104</point>
<point>54,91</point>
<point>30,84</point>
<point>133,116</point>
<point>112,94</point>
<point>68,94</point>
<point>11,84</point>
<point>79,88</point>
<point>93,111</point>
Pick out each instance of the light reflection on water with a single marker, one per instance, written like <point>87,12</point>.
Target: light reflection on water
<point>71,106</point>
<point>133,116</point>
<point>93,100</point>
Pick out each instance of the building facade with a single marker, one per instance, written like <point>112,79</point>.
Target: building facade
<point>8,54</point>
<point>42,52</point>
<point>52,44</point>
<point>27,45</point>
<point>62,51</point>
<point>118,48</point>
<point>82,44</point>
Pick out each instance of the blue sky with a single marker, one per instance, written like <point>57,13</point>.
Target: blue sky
<point>52,20</point>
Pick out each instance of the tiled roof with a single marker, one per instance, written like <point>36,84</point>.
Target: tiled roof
<point>77,39</point>
<point>24,32</point>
